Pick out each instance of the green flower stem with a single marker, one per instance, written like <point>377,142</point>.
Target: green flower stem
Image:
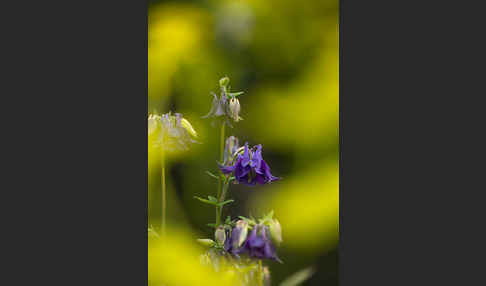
<point>220,182</point>
<point>260,273</point>
<point>221,146</point>
<point>164,203</point>
<point>221,199</point>
<point>218,221</point>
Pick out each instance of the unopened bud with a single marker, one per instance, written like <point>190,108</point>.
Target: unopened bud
<point>206,242</point>
<point>241,229</point>
<point>234,109</point>
<point>220,235</point>
<point>224,81</point>
<point>275,231</point>
<point>186,125</point>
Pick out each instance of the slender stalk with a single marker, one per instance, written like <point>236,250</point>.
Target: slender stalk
<point>220,182</point>
<point>222,197</point>
<point>221,146</point>
<point>260,272</point>
<point>164,203</point>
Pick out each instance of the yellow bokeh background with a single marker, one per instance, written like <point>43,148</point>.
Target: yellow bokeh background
<point>285,56</point>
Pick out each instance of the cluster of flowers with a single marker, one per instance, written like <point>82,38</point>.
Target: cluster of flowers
<point>259,244</point>
<point>243,165</point>
<point>171,132</point>
<point>227,106</point>
<point>248,237</point>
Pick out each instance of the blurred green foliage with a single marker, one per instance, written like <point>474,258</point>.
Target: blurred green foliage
<point>285,56</point>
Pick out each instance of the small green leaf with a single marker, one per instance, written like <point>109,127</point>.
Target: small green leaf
<point>213,199</point>
<point>206,201</point>
<point>235,94</point>
<point>211,225</point>
<point>267,219</point>
<point>212,175</point>
<point>225,202</point>
<point>250,222</point>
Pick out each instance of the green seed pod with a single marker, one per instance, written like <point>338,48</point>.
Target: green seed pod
<point>220,235</point>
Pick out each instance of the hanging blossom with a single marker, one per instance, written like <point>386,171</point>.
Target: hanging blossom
<point>171,132</point>
<point>227,106</point>
<point>230,149</point>
<point>258,244</point>
<point>250,168</point>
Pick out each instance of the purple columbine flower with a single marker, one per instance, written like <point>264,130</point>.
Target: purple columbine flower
<point>236,238</point>
<point>257,245</point>
<point>250,168</point>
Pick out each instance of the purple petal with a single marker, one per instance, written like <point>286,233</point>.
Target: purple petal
<point>264,232</point>
<point>260,179</point>
<point>227,243</point>
<point>247,180</point>
<point>178,119</point>
<point>241,172</point>
<point>269,250</point>
<point>226,169</point>
<point>268,176</point>
<point>246,156</point>
<point>220,107</point>
<point>256,241</point>
<point>257,158</point>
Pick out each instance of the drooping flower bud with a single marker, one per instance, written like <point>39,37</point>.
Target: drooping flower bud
<point>259,245</point>
<point>186,125</point>
<point>231,147</point>
<point>226,106</point>
<point>217,107</point>
<point>275,231</point>
<point>220,235</point>
<point>240,233</point>
<point>206,242</point>
<point>224,81</point>
<point>234,109</point>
